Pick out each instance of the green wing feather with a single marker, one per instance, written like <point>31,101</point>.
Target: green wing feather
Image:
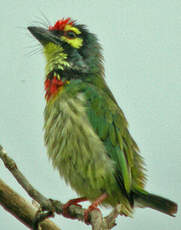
<point>110,125</point>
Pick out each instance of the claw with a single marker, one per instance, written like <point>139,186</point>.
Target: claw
<point>87,211</point>
<point>72,202</point>
<point>93,206</point>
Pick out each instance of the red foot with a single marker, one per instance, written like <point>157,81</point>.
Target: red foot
<point>93,206</point>
<point>87,211</point>
<point>72,202</point>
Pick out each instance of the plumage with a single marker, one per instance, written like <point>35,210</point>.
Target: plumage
<point>86,133</point>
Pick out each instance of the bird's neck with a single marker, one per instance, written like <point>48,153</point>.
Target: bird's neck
<point>56,80</point>
<point>53,84</point>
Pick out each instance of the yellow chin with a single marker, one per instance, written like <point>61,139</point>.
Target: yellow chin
<point>55,57</point>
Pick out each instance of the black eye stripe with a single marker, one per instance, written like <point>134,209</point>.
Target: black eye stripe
<point>70,34</point>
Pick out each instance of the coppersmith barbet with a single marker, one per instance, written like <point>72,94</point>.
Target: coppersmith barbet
<point>86,133</point>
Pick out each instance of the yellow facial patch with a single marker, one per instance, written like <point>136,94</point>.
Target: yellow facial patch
<point>72,28</point>
<point>74,42</point>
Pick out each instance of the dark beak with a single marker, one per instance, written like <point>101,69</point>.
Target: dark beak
<point>44,36</point>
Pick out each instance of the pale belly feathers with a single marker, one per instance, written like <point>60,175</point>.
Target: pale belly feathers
<point>75,149</point>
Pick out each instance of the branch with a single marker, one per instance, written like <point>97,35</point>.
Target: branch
<point>20,208</point>
<point>54,206</point>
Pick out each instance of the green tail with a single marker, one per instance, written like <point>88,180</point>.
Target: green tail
<point>158,203</point>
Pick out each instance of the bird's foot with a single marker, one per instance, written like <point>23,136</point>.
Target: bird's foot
<point>87,211</point>
<point>72,202</point>
<point>93,206</point>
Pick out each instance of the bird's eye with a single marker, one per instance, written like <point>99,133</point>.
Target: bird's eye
<point>70,34</point>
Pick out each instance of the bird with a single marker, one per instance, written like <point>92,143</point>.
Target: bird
<point>85,131</point>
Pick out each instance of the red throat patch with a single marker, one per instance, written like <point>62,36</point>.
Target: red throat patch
<point>52,86</point>
<point>60,24</point>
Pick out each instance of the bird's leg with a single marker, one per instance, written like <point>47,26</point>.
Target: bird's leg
<point>93,206</point>
<point>72,202</point>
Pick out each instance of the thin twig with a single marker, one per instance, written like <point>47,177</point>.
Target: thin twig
<point>33,193</point>
<point>54,206</point>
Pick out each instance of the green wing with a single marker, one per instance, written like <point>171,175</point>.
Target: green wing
<point>109,123</point>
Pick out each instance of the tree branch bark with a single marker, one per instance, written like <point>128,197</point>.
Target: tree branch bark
<point>20,208</point>
<point>52,206</point>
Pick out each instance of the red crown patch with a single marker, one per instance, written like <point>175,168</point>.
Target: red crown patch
<point>60,24</point>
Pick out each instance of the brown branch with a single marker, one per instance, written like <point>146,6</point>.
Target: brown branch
<point>21,179</point>
<point>96,219</point>
<point>20,208</point>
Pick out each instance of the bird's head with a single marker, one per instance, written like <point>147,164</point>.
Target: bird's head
<point>71,51</point>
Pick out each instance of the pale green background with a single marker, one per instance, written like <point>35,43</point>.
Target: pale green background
<point>142,49</point>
